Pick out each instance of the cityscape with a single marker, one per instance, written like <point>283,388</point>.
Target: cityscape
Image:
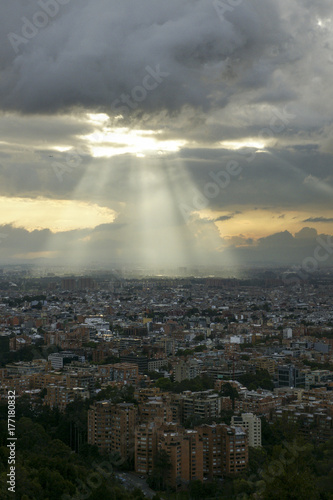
<point>172,382</point>
<point>166,250</point>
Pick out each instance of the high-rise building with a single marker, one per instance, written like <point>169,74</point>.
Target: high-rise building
<point>225,449</point>
<point>154,409</point>
<point>145,447</point>
<point>183,447</point>
<point>185,450</point>
<point>111,428</point>
<point>207,451</point>
<point>252,424</point>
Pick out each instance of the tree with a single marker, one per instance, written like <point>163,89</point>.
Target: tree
<point>199,337</point>
<point>153,375</point>
<point>164,384</point>
<point>257,459</point>
<point>228,390</point>
<point>199,490</point>
<point>255,380</point>
<point>162,466</point>
<point>294,481</point>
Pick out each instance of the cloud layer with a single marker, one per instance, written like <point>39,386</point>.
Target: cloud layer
<point>149,111</point>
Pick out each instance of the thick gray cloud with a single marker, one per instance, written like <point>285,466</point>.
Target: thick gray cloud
<point>90,53</point>
<point>198,71</point>
<point>319,219</point>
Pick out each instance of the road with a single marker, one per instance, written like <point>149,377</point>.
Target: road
<point>131,481</point>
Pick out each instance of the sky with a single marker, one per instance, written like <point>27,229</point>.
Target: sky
<point>165,134</point>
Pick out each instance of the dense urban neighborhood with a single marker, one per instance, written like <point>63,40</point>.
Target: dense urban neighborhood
<point>159,387</point>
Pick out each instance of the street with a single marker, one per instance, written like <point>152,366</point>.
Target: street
<point>131,481</point>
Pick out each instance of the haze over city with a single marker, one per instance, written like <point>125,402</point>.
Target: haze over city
<point>179,133</point>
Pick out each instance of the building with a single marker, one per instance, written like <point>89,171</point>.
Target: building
<point>252,424</point>
<point>156,364</point>
<point>58,359</point>
<point>212,436</point>
<point>119,372</point>
<point>186,370</point>
<point>145,447</point>
<point>318,378</point>
<point>203,404</point>
<point>287,333</point>
<point>141,361</point>
<point>167,344</point>
<point>208,451</point>
<point>68,283</point>
<point>58,396</point>
<point>183,447</point>
<point>85,282</point>
<point>19,342</point>
<point>315,424</point>
<point>111,427</point>
<point>290,376</point>
<point>265,364</point>
<point>81,379</point>
<point>185,450</point>
<point>225,449</point>
<point>155,409</point>
<point>125,372</point>
<point>217,372</point>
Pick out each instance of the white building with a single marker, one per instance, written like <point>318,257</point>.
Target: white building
<point>252,424</point>
<point>287,333</point>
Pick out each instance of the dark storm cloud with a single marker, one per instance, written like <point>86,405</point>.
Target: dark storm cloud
<point>276,181</point>
<point>227,217</point>
<point>90,53</point>
<point>319,219</point>
<point>276,178</point>
<point>223,218</point>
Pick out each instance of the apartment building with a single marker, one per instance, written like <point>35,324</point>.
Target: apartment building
<point>145,447</point>
<point>235,450</point>
<point>125,372</point>
<point>111,427</point>
<point>83,379</point>
<point>185,450</point>
<point>154,409</point>
<point>58,396</point>
<point>186,370</point>
<point>225,449</point>
<point>203,404</point>
<point>119,372</point>
<point>268,364</point>
<point>183,447</point>
<point>156,364</point>
<point>252,424</point>
<point>209,451</point>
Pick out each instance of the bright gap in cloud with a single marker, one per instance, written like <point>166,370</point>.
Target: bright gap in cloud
<point>111,142</point>
<point>106,141</point>
<point>56,215</point>
<point>246,143</point>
